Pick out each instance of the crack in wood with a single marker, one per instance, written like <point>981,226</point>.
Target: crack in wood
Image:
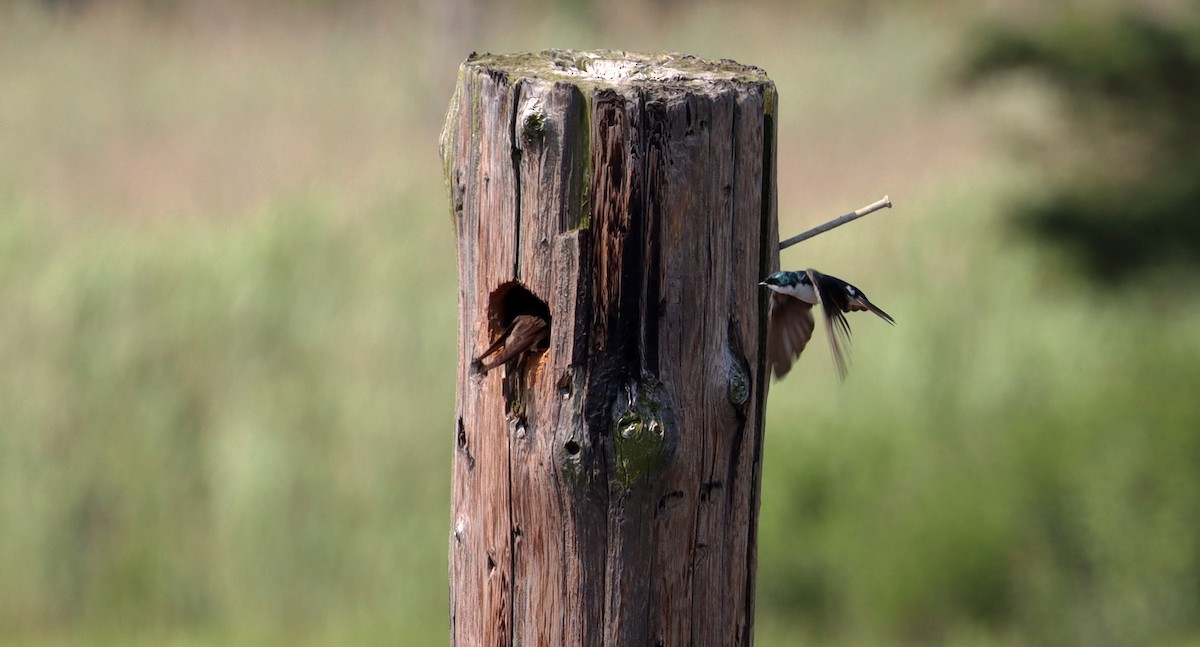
<point>460,441</point>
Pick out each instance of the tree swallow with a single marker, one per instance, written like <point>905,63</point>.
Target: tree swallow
<point>793,294</point>
<point>526,333</point>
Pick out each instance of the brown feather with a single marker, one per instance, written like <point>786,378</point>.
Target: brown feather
<point>791,326</point>
<point>526,333</point>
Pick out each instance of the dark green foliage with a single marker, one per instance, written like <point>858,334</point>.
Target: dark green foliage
<point>1130,88</point>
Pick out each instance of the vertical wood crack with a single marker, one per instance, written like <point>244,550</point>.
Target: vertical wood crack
<point>515,152</point>
<point>514,143</point>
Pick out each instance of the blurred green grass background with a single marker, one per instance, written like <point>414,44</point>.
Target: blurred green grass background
<point>227,319</point>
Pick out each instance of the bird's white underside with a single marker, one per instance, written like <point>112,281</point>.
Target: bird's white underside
<point>805,293</point>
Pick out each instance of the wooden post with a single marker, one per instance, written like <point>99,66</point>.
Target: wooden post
<point>606,479</point>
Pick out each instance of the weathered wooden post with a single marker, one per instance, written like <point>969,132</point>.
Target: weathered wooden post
<point>606,478</point>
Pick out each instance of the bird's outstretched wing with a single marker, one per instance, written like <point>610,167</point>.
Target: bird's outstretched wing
<point>838,297</point>
<point>790,328</point>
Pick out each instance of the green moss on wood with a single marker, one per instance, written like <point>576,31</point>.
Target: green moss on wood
<point>739,384</point>
<point>582,166</point>
<point>533,128</point>
<point>639,432</point>
<point>446,142</point>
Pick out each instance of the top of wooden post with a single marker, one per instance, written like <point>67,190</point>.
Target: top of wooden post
<point>614,68</point>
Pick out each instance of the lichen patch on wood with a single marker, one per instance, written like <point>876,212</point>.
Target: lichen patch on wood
<point>615,68</point>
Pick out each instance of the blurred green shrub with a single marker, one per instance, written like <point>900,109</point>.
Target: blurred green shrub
<point>1129,85</point>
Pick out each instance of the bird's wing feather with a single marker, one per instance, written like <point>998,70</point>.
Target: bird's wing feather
<point>860,303</point>
<point>834,302</point>
<point>525,332</point>
<point>496,345</point>
<point>790,328</point>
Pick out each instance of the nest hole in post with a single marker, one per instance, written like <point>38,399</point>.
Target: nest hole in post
<point>511,300</point>
<point>519,322</point>
<point>519,326</point>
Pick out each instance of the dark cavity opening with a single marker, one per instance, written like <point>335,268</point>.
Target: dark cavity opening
<point>510,301</point>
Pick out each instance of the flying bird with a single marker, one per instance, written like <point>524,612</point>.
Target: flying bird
<point>526,333</point>
<point>793,294</point>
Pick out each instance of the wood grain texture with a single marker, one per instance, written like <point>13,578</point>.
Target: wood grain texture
<point>605,490</point>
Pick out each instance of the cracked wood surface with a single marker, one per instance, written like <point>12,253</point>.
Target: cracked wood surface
<point>606,489</point>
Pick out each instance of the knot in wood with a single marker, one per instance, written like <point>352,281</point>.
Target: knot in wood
<point>641,444</point>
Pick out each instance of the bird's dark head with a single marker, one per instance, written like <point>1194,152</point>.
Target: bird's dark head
<point>783,279</point>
